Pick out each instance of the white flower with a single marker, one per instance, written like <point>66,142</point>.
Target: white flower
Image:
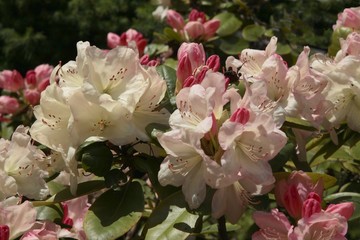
<point>19,168</point>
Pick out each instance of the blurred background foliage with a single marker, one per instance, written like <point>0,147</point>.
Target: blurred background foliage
<point>33,32</point>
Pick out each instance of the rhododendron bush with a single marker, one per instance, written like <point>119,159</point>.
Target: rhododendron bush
<point>185,136</point>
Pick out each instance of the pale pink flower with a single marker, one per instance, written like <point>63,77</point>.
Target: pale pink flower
<point>350,46</point>
<point>273,225</point>
<point>11,81</point>
<point>46,231</point>
<point>18,218</point>
<point>74,214</point>
<point>291,193</point>
<point>350,18</point>
<point>250,61</point>
<point>8,105</point>
<point>249,140</point>
<point>320,226</point>
<point>341,90</point>
<point>19,169</point>
<point>185,165</point>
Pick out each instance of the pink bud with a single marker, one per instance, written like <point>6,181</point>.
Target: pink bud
<point>43,84</point>
<point>241,115</point>
<point>345,209</point>
<point>213,62</point>
<point>211,27</point>
<point>43,72</point>
<point>32,96</point>
<point>11,80</point>
<point>66,219</point>
<point>184,69</point>
<point>31,78</point>
<point>113,40</point>
<point>189,81</point>
<point>123,39</point>
<point>8,105</point>
<point>194,30</point>
<point>293,202</point>
<point>175,20</point>
<point>311,205</point>
<point>194,51</point>
<point>144,59</point>
<point>4,232</point>
<point>195,15</point>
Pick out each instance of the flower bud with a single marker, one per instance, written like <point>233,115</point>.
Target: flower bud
<point>213,62</point>
<point>31,78</point>
<point>11,80</point>
<point>195,53</point>
<point>241,115</point>
<point>32,96</point>
<point>175,20</point>
<point>8,105</point>
<point>184,69</point>
<point>311,205</point>
<point>4,232</point>
<point>211,27</point>
<point>194,30</point>
<point>197,16</point>
<point>113,40</point>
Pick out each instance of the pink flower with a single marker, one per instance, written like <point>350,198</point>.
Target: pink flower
<point>291,193</point>
<point>16,218</point>
<point>8,105</point>
<point>321,225</point>
<point>46,231</point>
<point>350,46</point>
<point>11,80</point>
<point>195,15</point>
<point>194,30</point>
<point>273,225</point>
<point>350,18</point>
<point>210,28</point>
<point>74,213</point>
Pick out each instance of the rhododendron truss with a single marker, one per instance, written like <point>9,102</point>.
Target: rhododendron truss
<point>128,144</point>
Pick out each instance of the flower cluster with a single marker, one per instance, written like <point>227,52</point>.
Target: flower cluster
<point>196,28</point>
<point>104,95</point>
<point>19,92</point>
<point>302,200</point>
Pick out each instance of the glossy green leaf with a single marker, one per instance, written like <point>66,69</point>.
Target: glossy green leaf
<point>169,75</point>
<point>229,24</point>
<point>84,188</point>
<point>328,180</point>
<point>172,35</point>
<point>213,229</point>
<point>233,46</point>
<point>48,213</point>
<point>170,219</point>
<point>115,212</point>
<point>282,157</point>
<point>151,166</point>
<point>253,32</point>
<point>283,49</point>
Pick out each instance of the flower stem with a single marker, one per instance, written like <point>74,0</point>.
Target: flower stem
<point>222,228</point>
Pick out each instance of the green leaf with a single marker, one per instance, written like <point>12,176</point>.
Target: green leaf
<point>84,188</point>
<point>151,166</point>
<point>153,49</point>
<point>233,46</point>
<point>229,24</point>
<point>253,32</point>
<point>48,213</point>
<point>328,180</point>
<point>172,35</point>
<point>298,123</point>
<point>170,219</point>
<point>283,49</point>
<point>169,75</point>
<point>213,229</point>
<point>282,157</point>
<point>115,212</point>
